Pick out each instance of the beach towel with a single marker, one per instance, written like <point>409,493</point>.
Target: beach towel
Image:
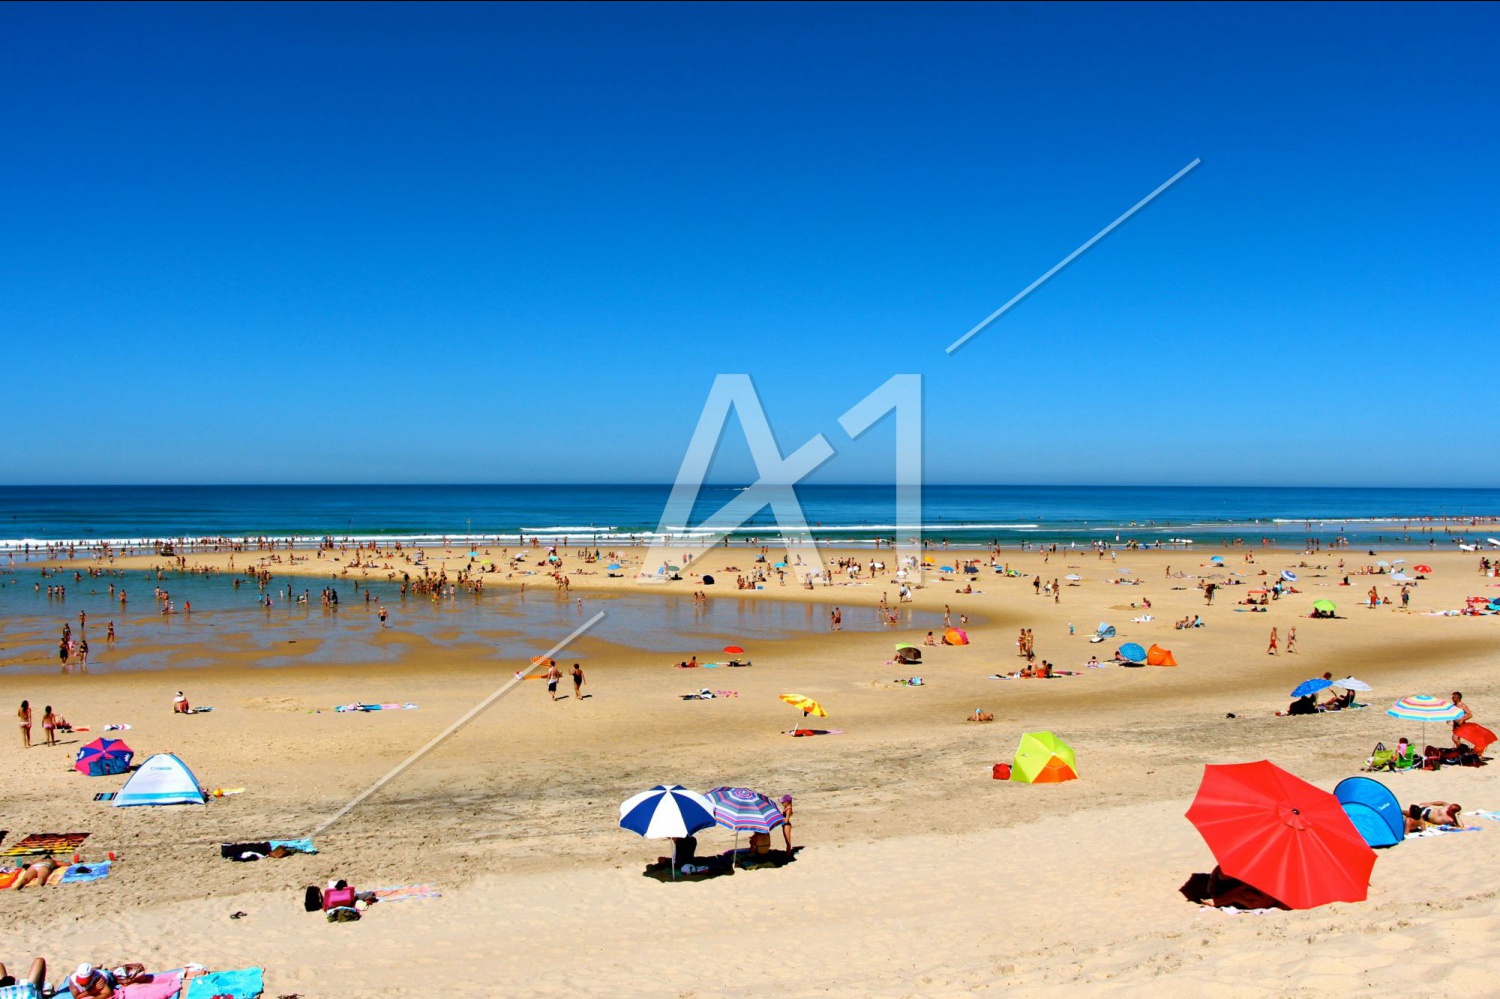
<point>1442,830</point>
<point>814,731</point>
<point>79,873</point>
<point>296,845</point>
<point>7,878</point>
<point>404,892</point>
<point>246,983</point>
<point>106,795</point>
<point>46,843</point>
<point>23,990</point>
<point>163,985</point>
<point>1492,816</point>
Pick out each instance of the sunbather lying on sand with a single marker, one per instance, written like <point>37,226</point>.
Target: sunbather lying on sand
<point>37,872</point>
<point>1432,813</point>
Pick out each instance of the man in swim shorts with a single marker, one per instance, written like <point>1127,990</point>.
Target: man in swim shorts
<point>553,675</point>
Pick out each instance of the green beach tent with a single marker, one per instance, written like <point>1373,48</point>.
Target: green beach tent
<point>1043,758</point>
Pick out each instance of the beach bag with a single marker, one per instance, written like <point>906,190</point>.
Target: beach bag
<point>335,898</point>
<point>312,898</point>
<point>1001,771</point>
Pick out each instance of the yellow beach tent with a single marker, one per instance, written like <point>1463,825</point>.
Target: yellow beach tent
<point>1043,758</point>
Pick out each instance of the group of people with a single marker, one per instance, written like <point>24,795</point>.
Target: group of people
<point>87,981</point>
<point>52,723</point>
<point>554,675</point>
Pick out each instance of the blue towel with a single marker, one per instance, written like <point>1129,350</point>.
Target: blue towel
<point>86,872</point>
<point>302,845</point>
<point>246,983</point>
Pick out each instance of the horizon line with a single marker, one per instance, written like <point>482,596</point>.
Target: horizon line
<point>734,485</point>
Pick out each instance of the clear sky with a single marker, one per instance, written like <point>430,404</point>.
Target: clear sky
<point>516,243</point>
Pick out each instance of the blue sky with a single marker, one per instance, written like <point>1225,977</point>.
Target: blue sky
<point>516,243</point>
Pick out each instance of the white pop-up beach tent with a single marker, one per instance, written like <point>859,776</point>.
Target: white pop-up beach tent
<point>161,780</point>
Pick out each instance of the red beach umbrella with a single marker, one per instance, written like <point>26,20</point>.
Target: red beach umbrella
<point>733,650</point>
<point>1278,833</point>
<point>1478,736</point>
<point>1423,568</point>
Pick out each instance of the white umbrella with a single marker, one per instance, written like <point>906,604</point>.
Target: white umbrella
<point>1349,683</point>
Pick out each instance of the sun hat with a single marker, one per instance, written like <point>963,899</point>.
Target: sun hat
<point>786,798</point>
<point>84,973</point>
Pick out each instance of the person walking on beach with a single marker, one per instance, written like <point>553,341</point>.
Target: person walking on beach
<point>1291,640</point>
<point>1468,716</point>
<point>382,618</point>
<point>1271,651</point>
<point>25,716</point>
<point>109,636</point>
<point>49,727</point>
<point>577,682</point>
<point>553,675</point>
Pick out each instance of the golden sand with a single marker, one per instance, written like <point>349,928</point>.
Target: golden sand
<point>920,875</point>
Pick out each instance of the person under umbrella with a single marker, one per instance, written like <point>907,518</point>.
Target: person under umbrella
<point>668,811</point>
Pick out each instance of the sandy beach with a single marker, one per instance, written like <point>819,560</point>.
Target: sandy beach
<point>918,875</point>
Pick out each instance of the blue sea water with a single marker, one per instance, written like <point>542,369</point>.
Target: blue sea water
<point>850,514</point>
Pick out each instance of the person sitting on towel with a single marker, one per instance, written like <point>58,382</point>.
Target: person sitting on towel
<point>1303,706</point>
<point>89,982</point>
<point>1433,813</point>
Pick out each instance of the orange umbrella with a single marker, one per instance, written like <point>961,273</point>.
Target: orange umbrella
<point>733,650</point>
<point>807,704</point>
<point>1477,736</point>
<point>541,661</point>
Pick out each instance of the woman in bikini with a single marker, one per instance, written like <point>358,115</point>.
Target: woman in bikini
<point>49,727</point>
<point>1433,813</point>
<point>36,872</point>
<point>25,715</point>
<point>786,825</point>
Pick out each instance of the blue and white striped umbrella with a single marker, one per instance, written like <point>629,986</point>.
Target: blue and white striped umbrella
<point>665,811</point>
<point>1288,575</point>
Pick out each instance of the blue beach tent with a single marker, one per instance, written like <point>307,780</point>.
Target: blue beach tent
<point>1373,809</point>
<point>161,780</point>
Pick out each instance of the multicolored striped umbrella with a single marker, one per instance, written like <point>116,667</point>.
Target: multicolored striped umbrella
<point>744,810</point>
<point>1423,708</point>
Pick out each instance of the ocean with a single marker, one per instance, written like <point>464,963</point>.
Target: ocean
<point>854,515</point>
